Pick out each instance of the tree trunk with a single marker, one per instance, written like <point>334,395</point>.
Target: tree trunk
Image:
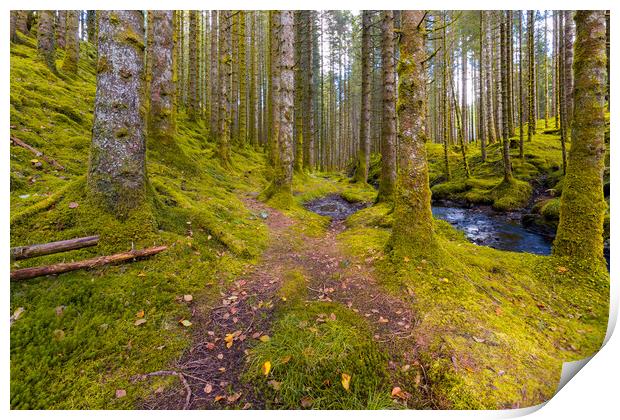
<point>308,106</point>
<point>225,73</point>
<point>242,71</point>
<point>531,123</point>
<point>521,119</point>
<point>505,81</point>
<point>388,124</point>
<point>582,208</point>
<point>361,171</point>
<point>45,39</point>
<point>192,63</point>
<point>491,133</point>
<point>91,17</point>
<point>568,68</point>
<point>299,139</point>
<point>214,76</point>
<point>162,112</point>
<point>413,221</point>
<point>545,66</point>
<point>481,108</point>
<point>117,173</point>
<point>72,44</point>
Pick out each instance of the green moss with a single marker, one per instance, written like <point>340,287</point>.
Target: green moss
<point>312,345</point>
<point>495,326</point>
<point>511,195</point>
<point>551,209</point>
<point>77,359</point>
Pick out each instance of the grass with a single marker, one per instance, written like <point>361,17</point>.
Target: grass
<point>313,345</point>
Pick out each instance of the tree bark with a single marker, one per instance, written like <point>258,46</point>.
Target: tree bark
<point>214,75</point>
<point>361,171</point>
<point>225,74</point>
<point>117,173</point>
<point>568,68</point>
<point>413,220</point>
<point>582,208</point>
<point>61,29</point>
<point>192,88</point>
<point>531,123</point>
<point>30,251</point>
<point>45,39</point>
<point>29,273</point>
<point>242,71</point>
<point>505,82</point>
<point>72,44</point>
<point>308,107</point>
<point>388,123</point>
<point>481,107</point>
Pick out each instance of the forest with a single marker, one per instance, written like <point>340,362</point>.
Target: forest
<point>306,209</point>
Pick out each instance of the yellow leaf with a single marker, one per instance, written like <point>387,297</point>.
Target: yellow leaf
<point>264,338</point>
<point>140,321</point>
<point>140,314</point>
<point>406,259</point>
<point>229,340</point>
<point>396,391</point>
<point>266,368</point>
<point>186,323</point>
<point>346,381</point>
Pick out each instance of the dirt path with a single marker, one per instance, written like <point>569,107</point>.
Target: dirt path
<point>212,368</point>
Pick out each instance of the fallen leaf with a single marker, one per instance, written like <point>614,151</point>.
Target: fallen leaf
<point>498,310</point>
<point>188,298</point>
<point>210,346</point>
<point>140,314</point>
<point>306,402</point>
<point>208,388</point>
<point>18,312</point>
<point>256,335</point>
<point>59,310</point>
<point>234,397</point>
<point>478,340</point>
<point>186,323</point>
<point>562,270</point>
<point>383,320</point>
<point>395,391</point>
<point>266,368</point>
<point>139,321</point>
<point>346,381</point>
<point>275,384</point>
<point>220,356</point>
<point>229,340</point>
<point>264,338</point>
<point>406,259</point>
<point>332,316</point>
<point>120,393</point>
<point>218,398</point>
<point>285,359</point>
<point>222,369</point>
<point>73,205</point>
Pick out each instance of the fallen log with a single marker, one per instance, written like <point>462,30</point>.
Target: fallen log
<point>37,153</point>
<point>29,251</point>
<point>28,273</point>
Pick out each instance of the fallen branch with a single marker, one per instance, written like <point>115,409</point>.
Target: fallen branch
<point>29,251</point>
<point>179,375</point>
<point>28,273</point>
<point>37,153</point>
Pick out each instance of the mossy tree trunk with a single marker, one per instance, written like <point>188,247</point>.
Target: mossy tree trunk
<point>582,208</point>
<point>225,73</point>
<point>481,103</point>
<point>546,71</point>
<point>117,172</point>
<point>45,39</point>
<point>568,68</point>
<point>13,26</point>
<point>193,111</point>
<point>21,21</point>
<point>162,88</point>
<point>521,119</point>
<point>308,86</point>
<point>61,29</point>
<point>361,171</point>
<point>274,86</point>
<point>282,181</point>
<point>531,122</point>
<point>214,75</point>
<point>562,90</point>
<point>413,221</point>
<point>72,44</point>
<point>254,85</point>
<point>444,98</point>
<point>388,121</point>
<point>491,133</point>
<point>242,71</point>
<point>298,165</point>
<point>505,83</point>
<point>91,17</point>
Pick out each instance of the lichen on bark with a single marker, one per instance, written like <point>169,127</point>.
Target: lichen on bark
<point>117,172</point>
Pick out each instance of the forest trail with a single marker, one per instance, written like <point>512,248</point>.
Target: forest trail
<point>213,367</point>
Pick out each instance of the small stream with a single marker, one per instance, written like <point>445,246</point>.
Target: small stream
<point>334,207</point>
<point>482,227</point>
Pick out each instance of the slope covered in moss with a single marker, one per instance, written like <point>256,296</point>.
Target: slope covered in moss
<point>76,343</point>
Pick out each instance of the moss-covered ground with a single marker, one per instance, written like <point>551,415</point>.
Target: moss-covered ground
<point>493,327</point>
